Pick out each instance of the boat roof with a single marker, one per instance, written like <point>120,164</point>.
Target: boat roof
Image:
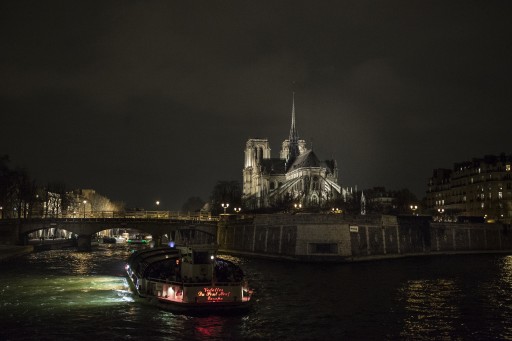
<point>198,248</point>
<point>141,260</point>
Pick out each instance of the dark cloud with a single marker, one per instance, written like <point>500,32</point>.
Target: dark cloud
<point>140,100</point>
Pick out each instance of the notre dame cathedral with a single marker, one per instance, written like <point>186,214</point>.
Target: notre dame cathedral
<point>296,177</point>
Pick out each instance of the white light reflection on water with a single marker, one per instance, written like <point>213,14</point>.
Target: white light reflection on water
<point>55,292</point>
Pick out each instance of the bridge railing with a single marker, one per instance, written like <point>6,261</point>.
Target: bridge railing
<point>164,215</point>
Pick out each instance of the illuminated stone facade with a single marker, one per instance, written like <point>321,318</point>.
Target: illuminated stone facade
<point>481,187</point>
<point>297,177</point>
<point>336,237</point>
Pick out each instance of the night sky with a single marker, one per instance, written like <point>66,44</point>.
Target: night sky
<point>154,100</point>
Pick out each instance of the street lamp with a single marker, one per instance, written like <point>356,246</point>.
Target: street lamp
<point>224,206</point>
<point>413,209</point>
<point>297,206</point>
<point>85,202</point>
<point>440,211</point>
<point>237,209</point>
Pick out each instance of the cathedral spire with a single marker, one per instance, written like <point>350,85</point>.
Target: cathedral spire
<point>293,150</point>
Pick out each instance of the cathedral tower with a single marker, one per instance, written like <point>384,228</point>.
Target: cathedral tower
<point>292,147</point>
<point>256,150</point>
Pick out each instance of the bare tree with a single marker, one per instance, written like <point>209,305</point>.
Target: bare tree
<point>21,192</point>
<point>101,204</point>
<point>226,192</point>
<point>193,204</point>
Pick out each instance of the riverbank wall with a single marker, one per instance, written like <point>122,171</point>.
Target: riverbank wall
<point>338,238</point>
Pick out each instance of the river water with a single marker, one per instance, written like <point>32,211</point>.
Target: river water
<point>71,295</point>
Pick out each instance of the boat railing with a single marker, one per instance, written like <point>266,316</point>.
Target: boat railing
<point>193,284</point>
<point>217,284</point>
<point>164,280</point>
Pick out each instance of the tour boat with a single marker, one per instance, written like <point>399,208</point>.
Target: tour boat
<point>138,239</point>
<point>188,279</point>
<point>120,239</point>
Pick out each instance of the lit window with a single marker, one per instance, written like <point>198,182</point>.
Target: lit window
<point>482,205</point>
<point>507,168</point>
<point>500,195</point>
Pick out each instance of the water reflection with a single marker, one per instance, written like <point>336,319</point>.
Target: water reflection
<point>503,296</point>
<point>77,263</point>
<point>506,278</point>
<point>68,294</point>
<point>209,327</point>
<point>431,308</point>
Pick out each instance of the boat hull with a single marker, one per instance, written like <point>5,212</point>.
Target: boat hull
<point>213,308</point>
<point>188,279</point>
<point>204,308</point>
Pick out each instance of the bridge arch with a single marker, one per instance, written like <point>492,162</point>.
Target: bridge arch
<point>86,228</point>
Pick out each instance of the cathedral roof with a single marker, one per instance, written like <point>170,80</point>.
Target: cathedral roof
<point>307,159</point>
<point>273,166</point>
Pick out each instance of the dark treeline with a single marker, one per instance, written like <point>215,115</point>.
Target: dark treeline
<point>18,190</point>
<point>22,197</point>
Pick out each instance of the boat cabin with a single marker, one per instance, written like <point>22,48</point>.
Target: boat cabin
<point>187,275</point>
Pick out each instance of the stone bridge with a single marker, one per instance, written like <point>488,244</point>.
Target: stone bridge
<point>15,232</point>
